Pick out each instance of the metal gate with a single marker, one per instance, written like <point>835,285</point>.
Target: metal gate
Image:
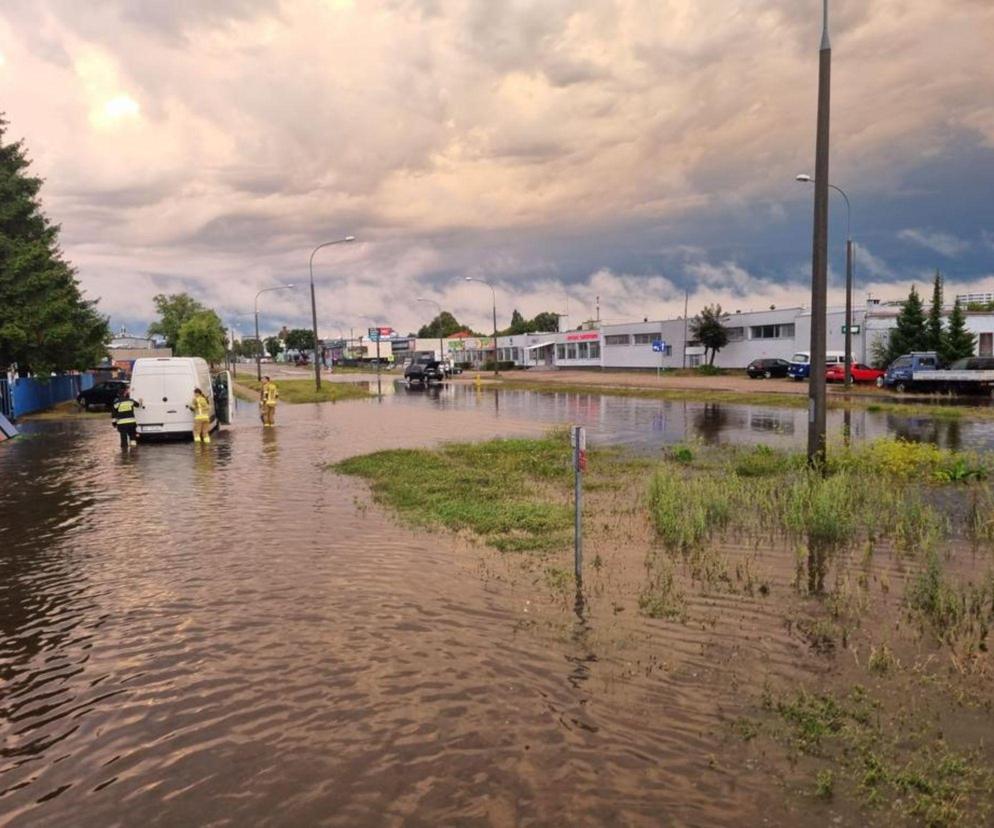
<point>6,402</point>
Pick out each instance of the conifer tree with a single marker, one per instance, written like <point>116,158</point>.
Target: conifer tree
<point>957,341</point>
<point>933,325</point>
<point>46,324</point>
<point>909,334</point>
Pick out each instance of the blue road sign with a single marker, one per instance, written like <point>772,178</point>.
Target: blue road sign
<point>658,346</point>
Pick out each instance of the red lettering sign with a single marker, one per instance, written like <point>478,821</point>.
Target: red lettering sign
<point>582,337</point>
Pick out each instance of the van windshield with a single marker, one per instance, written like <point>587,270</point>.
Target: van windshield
<point>802,358</point>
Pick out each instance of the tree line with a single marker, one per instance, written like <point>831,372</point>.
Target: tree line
<point>445,324</point>
<point>915,330</point>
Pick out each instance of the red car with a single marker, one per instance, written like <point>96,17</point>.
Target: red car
<point>860,373</point>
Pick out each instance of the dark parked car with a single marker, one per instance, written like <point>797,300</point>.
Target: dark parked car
<point>767,368</point>
<point>973,364</point>
<point>103,393</point>
<point>423,371</point>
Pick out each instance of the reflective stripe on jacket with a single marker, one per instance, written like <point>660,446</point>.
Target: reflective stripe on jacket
<point>270,394</point>
<point>201,408</point>
<point>124,412</point>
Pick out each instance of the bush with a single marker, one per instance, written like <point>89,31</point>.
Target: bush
<point>709,370</point>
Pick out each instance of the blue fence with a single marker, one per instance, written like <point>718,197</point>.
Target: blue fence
<point>24,396</point>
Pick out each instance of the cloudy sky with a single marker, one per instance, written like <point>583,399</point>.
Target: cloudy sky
<point>564,150</point>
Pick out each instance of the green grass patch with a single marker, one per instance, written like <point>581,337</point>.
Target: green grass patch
<point>303,390</point>
<point>906,772</point>
<point>500,491</point>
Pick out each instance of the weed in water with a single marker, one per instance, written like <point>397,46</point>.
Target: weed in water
<point>882,660</point>
<point>661,597</point>
<point>825,784</point>
<point>686,510</point>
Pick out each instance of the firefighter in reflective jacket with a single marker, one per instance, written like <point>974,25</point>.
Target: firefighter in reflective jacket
<point>201,408</point>
<point>123,418</point>
<point>270,395</point>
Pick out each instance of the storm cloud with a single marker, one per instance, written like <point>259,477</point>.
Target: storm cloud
<point>622,149</point>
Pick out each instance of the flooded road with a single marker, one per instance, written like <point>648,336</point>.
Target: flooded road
<point>232,635</point>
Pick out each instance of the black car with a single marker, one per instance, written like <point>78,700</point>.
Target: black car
<point>103,393</point>
<point>973,364</point>
<point>767,368</point>
<point>423,371</point>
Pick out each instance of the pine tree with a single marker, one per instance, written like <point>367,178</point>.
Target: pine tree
<point>45,322</point>
<point>933,325</point>
<point>957,341</point>
<point>909,334</point>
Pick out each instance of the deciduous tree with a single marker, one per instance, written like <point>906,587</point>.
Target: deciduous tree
<point>274,346</point>
<point>708,328</point>
<point>174,311</point>
<point>202,335</point>
<point>299,339</point>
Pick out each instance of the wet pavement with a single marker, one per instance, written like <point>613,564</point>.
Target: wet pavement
<point>234,635</point>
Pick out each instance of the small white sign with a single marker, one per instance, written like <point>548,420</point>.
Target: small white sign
<point>578,433</point>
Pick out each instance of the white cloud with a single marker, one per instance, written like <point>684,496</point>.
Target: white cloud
<point>944,243</point>
<point>211,145</point>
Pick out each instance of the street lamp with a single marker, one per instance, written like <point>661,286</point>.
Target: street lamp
<point>494,292</point>
<point>817,398</point>
<point>258,351</point>
<point>314,308</point>
<point>807,179</point>
<point>441,350</point>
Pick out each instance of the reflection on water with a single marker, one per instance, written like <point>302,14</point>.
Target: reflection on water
<point>227,633</point>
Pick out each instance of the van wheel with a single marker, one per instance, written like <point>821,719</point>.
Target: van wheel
<point>900,388</point>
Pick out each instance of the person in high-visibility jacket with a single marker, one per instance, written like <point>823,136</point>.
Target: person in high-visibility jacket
<point>123,419</point>
<point>270,396</point>
<point>201,408</point>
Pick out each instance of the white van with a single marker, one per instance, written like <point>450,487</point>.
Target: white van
<point>800,364</point>
<point>164,387</point>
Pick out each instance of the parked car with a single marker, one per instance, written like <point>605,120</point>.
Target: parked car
<point>858,372</point>
<point>800,363</point>
<point>424,370</point>
<point>767,368</point>
<point>973,364</point>
<point>900,373</point>
<point>103,393</point>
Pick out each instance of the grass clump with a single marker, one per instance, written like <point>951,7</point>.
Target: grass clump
<point>660,596</point>
<point>959,615</point>
<point>910,774</point>
<point>906,460</point>
<point>303,391</point>
<point>763,461</point>
<point>688,509</point>
<point>493,490</point>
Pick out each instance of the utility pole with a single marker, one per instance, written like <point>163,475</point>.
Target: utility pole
<point>686,302</point>
<point>817,398</point>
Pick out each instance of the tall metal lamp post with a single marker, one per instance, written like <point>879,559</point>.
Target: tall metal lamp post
<point>817,398</point>
<point>807,179</point>
<point>441,350</point>
<point>494,292</point>
<point>314,309</point>
<point>258,352</point>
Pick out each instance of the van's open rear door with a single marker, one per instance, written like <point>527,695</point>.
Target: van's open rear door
<point>224,397</point>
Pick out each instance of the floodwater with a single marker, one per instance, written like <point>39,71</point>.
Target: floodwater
<point>232,635</point>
